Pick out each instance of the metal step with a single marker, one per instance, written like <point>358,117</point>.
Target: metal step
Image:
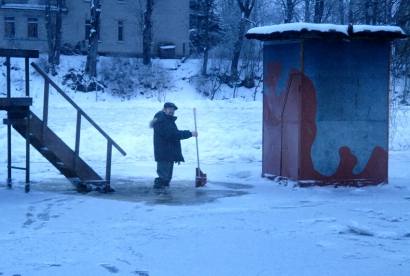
<point>57,152</point>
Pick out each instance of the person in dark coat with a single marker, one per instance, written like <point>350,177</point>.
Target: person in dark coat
<point>167,144</point>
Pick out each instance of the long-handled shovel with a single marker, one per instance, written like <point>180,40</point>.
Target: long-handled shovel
<point>200,179</point>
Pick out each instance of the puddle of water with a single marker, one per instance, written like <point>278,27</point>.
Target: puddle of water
<point>140,190</point>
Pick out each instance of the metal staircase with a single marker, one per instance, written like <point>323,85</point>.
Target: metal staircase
<point>42,138</point>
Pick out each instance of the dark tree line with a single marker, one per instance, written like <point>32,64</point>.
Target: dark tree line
<point>237,16</point>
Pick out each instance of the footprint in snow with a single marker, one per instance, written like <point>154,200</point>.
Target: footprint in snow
<point>45,216</point>
<point>110,268</point>
<point>29,220</point>
<point>141,273</point>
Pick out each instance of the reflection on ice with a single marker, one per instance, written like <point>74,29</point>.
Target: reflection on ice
<point>140,190</point>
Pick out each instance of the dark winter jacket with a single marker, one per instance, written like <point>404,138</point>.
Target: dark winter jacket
<point>167,138</point>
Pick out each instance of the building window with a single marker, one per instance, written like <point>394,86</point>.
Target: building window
<point>10,27</point>
<point>32,28</point>
<point>120,30</point>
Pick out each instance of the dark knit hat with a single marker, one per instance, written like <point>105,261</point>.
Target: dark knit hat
<point>170,105</point>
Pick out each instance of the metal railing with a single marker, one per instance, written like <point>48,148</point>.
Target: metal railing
<point>80,113</point>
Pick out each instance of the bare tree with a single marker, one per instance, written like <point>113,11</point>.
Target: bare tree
<point>147,32</point>
<point>307,10</point>
<point>53,15</point>
<point>350,11</point>
<point>401,58</point>
<point>341,11</point>
<point>289,9</point>
<point>207,32</point>
<point>91,65</point>
<point>319,9</point>
<point>375,12</point>
<point>246,7</point>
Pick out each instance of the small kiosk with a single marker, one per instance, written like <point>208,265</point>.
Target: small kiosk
<point>326,102</point>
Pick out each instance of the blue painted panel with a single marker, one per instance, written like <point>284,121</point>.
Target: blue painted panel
<point>351,81</point>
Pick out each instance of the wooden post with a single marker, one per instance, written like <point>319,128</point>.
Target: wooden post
<point>45,106</point>
<point>108,167</point>
<point>77,138</point>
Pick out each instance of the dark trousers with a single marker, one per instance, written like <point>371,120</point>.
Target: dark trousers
<point>164,170</point>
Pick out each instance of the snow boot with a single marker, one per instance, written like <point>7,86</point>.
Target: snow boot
<point>159,183</point>
<point>166,183</point>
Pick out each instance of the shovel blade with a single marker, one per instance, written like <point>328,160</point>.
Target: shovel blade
<point>200,179</point>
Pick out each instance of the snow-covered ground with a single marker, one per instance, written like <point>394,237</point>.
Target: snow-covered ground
<point>240,224</point>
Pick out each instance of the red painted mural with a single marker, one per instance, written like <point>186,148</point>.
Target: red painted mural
<point>281,124</point>
<point>290,131</point>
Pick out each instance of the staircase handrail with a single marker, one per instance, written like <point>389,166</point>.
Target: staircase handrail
<point>62,93</point>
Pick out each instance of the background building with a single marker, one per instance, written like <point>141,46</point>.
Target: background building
<point>23,25</point>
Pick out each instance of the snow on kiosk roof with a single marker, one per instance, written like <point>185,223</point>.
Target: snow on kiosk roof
<point>312,30</point>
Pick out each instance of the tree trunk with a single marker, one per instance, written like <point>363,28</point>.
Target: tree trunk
<point>58,31</point>
<point>50,26</point>
<point>205,62</point>
<point>375,11</point>
<point>289,10</point>
<point>91,65</point>
<point>341,12</point>
<point>307,10</point>
<point>350,12</point>
<point>147,32</point>
<point>246,7</point>
<point>237,50</point>
<point>319,8</point>
<point>366,11</point>
<point>388,12</point>
<point>206,8</point>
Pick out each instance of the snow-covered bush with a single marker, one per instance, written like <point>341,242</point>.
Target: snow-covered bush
<point>154,79</point>
<point>208,86</point>
<point>77,80</point>
<point>128,77</point>
<point>120,75</point>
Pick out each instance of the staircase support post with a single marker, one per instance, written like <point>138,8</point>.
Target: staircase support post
<point>27,77</point>
<point>45,106</point>
<point>8,152</point>
<point>27,186</point>
<point>8,76</point>
<point>77,138</point>
<point>108,167</point>
<point>8,82</point>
